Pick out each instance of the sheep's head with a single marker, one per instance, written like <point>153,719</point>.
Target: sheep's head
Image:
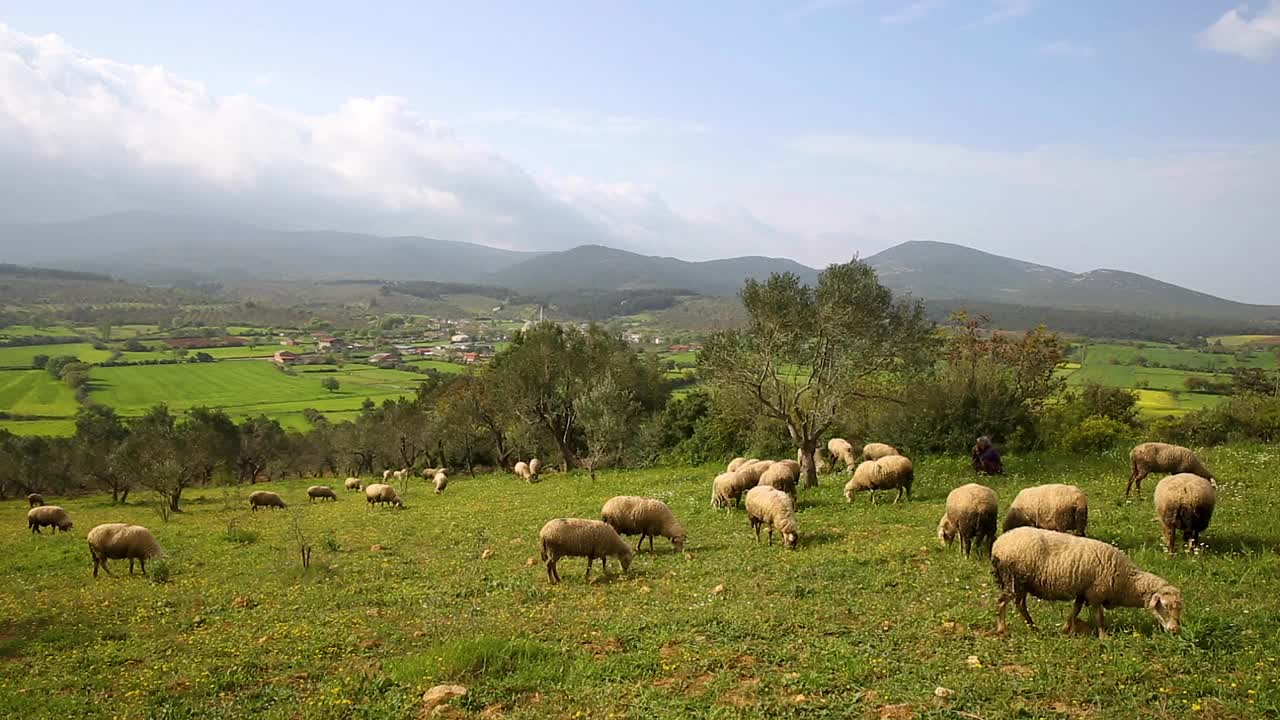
<point>677,540</point>
<point>946,531</point>
<point>625,557</point>
<point>66,526</point>
<point>848,495</point>
<point>398,502</point>
<point>1166,605</point>
<point>790,539</point>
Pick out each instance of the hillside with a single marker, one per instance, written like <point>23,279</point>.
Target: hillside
<point>942,271</point>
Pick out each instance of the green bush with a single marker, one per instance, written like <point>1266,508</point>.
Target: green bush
<point>1095,434</point>
<point>159,571</point>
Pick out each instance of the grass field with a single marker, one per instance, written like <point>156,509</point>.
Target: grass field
<point>49,428</point>
<point>864,620</point>
<point>21,356</point>
<point>35,392</point>
<point>11,331</point>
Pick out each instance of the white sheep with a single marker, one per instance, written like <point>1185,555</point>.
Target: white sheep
<point>776,510</point>
<point>840,451</point>
<point>735,463</point>
<point>382,494</point>
<point>35,500</point>
<point>971,515</point>
<point>1163,458</point>
<point>728,487</point>
<point>887,473</point>
<point>263,498</point>
<point>535,468</point>
<point>117,541</point>
<point>1185,502</point>
<point>577,537</point>
<point>521,470</point>
<point>48,516</point>
<point>1055,566</point>
<point>1064,508</point>
<point>820,464</point>
<point>646,517</point>
<point>400,475</point>
<point>386,475</point>
<point>441,481</point>
<point>875,451</point>
<point>353,483</point>
<point>784,476</point>
<point>320,492</point>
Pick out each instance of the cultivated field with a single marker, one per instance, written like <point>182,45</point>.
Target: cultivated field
<point>866,619</point>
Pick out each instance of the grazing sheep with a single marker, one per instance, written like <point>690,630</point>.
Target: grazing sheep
<point>576,537</point>
<point>887,473</point>
<point>631,515</point>
<point>735,463</point>
<point>117,541</point>
<point>353,483</point>
<point>441,481</point>
<point>1185,502</point>
<point>262,498</point>
<point>535,467</point>
<point>784,476</point>
<point>430,473</point>
<point>521,470</point>
<point>1051,507</point>
<point>776,509</point>
<point>730,486</point>
<point>875,451</point>
<point>386,474</point>
<point>971,514</point>
<point>382,494</point>
<point>840,451</point>
<point>1163,458</point>
<point>35,500</point>
<point>401,474</point>
<point>48,516</point>
<point>320,492</point>
<point>1056,566</point>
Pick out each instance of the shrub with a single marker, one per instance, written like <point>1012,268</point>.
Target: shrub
<point>1095,434</point>
<point>160,570</point>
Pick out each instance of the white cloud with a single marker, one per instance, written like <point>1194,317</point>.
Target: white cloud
<point>1256,38</point>
<point>918,10</point>
<point>579,123</point>
<point>1066,49</point>
<point>1005,10</point>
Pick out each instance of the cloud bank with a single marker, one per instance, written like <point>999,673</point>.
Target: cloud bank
<point>1254,38</point>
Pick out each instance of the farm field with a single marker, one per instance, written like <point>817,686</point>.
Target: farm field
<point>12,331</point>
<point>866,619</point>
<point>22,355</point>
<point>35,392</point>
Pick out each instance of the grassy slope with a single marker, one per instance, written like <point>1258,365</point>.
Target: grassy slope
<point>868,613</point>
<point>21,356</point>
<point>35,392</point>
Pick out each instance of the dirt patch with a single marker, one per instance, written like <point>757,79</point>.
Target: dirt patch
<point>1017,670</point>
<point>896,712</point>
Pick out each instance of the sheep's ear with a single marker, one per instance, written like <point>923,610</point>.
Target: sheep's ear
<point>1154,603</point>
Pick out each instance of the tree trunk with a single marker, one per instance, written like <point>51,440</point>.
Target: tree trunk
<point>807,464</point>
<point>174,499</point>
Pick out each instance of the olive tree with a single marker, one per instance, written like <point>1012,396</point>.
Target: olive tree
<point>809,355</point>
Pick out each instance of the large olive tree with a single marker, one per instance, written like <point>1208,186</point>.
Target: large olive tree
<point>809,355</point>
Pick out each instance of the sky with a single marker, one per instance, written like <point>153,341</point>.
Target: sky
<point>1141,135</point>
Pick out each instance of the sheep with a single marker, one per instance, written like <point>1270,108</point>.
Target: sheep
<point>820,464</point>
<point>776,509</point>
<point>1056,566</point>
<point>1163,458</point>
<point>887,473</point>
<point>971,514</point>
<point>631,515</point>
<point>730,486</point>
<point>840,450</point>
<point>320,492</point>
<point>386,475</point>
<point>1051,507</point>
<point>735,463</point>
<point>117,541</point>
<point>430,473</point>
<point>382,494</point>
<point>400,475</point>
<point>535,467</point>
<point>875,451</point>
<point>521,470</point>
<point>48,515</point>
<point>441,481</point>
<point>353,483</point>
<point>1185,502</point>
<point>35,500</point>
<point>577,537</point>
<point>784,476</point>
<point>265,499</point>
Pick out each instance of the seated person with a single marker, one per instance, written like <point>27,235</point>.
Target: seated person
<point>986,459</point>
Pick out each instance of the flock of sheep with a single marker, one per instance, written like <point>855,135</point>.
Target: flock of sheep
<point>1043,550</point>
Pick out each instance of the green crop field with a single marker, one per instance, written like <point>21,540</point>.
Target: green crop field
<point>869,618</point>
<point>12,331</point>
<point>21,356</point>
<point>35,392</point>
<point>440,366</point>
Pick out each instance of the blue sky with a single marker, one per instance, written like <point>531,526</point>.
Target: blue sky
<point>1138,135</point>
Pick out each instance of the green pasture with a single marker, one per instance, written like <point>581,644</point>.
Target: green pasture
<point>21,356</point>
<point>14,331</point>
<point>35,392</point>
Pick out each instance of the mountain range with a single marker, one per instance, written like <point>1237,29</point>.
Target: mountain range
<point>162,249</point>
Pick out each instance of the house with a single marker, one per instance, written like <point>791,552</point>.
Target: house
<point>460,338</point>
<point>377,358</point>
<point>330,343</point>
<point>632,337</point>
<point>284,357</point>
<point>470,358</point>
<point>288,341</point>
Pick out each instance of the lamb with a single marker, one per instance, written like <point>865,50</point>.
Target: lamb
<point>1051,507</point>
<point>535,467</point>
<point>1056,566</point>
<point>577,537</point>
<point>631,515</point>
<point>875,451</point>
<point>971,514</point>
<point>784,476</point>
<point>265,499</point>
<point>776,509</point>
<point>353,483</point>
<point>320,492</point>
<point>841,451</point>
<point>1185,502</point>
<point>735,463</point>
<point>521,470</point>
<point>400,474</point>
<point>48,516</point>
<point>35,500</point>
<point>1163,458</point>
<point>730,486</point>
<point>386,474</point>
<point>382,494</point>
<point>117,541</point>
<point>441,481</point>
<point>887,473</point>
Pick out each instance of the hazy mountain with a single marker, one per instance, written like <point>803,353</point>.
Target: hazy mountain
<point>942,271</point>
<point>602,268</point>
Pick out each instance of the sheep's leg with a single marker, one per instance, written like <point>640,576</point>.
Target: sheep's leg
<point>770,533</point>
<point>1193,539</point>
<point>590,559</point>
<point>650,543</point>
<point>1022,609</point>
<point>1170,540</point>
<point>1002,604</point>
<point>1071,617</point>
<point>604,564</point>
<point>967,543</point>
<point>1098,622</point>
<point>899,497</point>
<point>36,529</point>
<point>130,566</point>
<point>756,526</point>
<point>873,497</point>
<point>143,563</point>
